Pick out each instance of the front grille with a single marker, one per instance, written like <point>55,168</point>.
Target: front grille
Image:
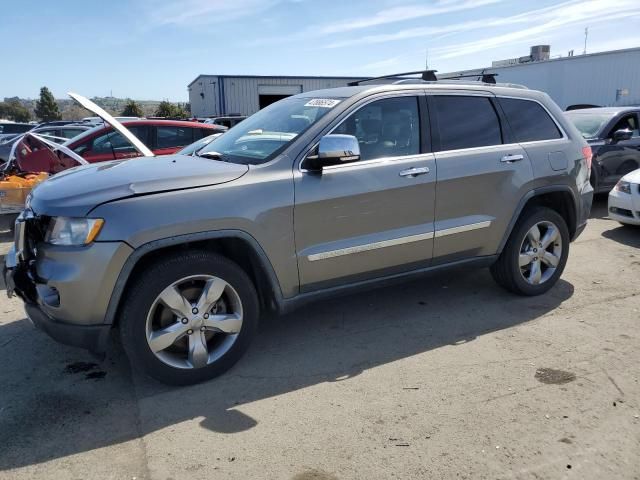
<point>31,234</point>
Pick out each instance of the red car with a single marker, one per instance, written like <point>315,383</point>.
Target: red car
<point>102,143</point>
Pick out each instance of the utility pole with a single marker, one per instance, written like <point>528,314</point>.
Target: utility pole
<point>586,34</point>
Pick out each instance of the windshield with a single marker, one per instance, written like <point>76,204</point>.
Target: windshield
<point>196,146</point>
<point>262,136</point>
<point>589,124</point>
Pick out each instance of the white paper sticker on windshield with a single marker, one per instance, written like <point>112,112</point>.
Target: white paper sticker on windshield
<point>322,102</point>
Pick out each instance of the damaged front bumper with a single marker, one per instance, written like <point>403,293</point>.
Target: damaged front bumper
<point>66,290</point>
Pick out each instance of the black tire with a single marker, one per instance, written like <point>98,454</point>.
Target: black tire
<point>145,289</point>
<point>506,270</point>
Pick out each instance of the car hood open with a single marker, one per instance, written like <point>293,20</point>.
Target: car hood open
<point>77,191</point>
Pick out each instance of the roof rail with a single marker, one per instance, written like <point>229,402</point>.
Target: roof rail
<point>483,77</point>
<point>427,76</point>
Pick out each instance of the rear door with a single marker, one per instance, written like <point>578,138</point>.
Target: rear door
<point>482,174</point>
<point>372,217</point>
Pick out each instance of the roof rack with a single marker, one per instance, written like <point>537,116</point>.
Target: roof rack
<point>427,76</point>
<point>483,77</point>
<point>430,76</point>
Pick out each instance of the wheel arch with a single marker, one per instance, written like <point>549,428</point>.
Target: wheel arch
<point>558,197</point>
<point>237,245</point>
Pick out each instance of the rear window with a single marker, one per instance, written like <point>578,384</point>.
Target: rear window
<point>466,122</point>
<point>529,121</point>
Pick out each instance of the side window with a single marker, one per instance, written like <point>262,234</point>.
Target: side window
<point>628,122</point>
<point>385,128</point>
<point>70,132</point>
<point>528,120</point>
<point>171,137</point>
<point>466,122</point>
<point>109,143</point>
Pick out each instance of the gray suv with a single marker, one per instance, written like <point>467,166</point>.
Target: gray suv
<point>320,193</point>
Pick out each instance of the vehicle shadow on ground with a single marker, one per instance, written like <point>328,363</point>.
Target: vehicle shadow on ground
<point>627,235</point>
<point>51,410</point>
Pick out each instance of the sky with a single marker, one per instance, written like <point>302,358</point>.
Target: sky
<point>152,49</point>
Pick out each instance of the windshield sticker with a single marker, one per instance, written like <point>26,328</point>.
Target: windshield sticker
<point>322,102</point>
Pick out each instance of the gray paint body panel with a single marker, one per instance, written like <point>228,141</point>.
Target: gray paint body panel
<point>463,209</point>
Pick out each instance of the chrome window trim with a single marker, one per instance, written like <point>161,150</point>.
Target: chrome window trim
<point>374,161</point>
<point>398,241</point>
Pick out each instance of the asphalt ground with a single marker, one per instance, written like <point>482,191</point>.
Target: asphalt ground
<point>444,377</point>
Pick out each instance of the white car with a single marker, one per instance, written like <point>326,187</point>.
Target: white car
<point>624,199</point>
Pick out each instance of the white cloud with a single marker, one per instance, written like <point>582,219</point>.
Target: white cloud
<point>564,13</point>
<point>204,12</point>
<point>402,13</point>
<point>578,13</point>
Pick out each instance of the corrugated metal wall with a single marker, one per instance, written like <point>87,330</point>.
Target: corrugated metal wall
<point>592,79</point>
<point>241,93</point>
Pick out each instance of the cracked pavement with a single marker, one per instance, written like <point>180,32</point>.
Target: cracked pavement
<point>444,377</point>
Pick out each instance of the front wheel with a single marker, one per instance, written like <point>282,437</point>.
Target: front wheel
<point>536,253</point>
<point>189,318</point>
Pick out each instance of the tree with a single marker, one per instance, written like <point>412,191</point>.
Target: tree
<point>168,109</point>
<point>132,109</point>
<point>46,107</point>
<point>14,110</point>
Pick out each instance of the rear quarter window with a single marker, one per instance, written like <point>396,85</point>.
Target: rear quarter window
<point>529,121</point>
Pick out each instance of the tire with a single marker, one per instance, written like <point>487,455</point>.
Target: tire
<point>200,351</point>
<point>507,271</point>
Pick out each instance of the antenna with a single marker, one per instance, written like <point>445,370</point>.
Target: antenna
<point>586,34</point>
<point>426,60</point>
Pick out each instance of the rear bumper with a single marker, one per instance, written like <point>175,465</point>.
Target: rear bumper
<point>584,210</point>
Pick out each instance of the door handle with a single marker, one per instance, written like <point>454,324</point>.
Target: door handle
<point>414,171</point>
<point>512,158</point>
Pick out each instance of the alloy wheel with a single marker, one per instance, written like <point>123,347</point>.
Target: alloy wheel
<point>540,253</point>
<point>194,321</point>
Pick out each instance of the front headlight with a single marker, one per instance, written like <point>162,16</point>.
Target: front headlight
<point>73,231</point>
<point>624,187</point>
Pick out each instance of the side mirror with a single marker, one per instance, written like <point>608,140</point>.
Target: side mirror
<point>621,135</point>
<point>334,149</point>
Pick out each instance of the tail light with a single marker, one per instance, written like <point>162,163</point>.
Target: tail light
<point>588,156</point>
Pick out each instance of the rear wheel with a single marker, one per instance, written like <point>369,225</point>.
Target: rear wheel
<point>536,253</point>
<point>189,318</point>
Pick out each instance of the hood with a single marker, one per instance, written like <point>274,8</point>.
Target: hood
<point>76,191</point>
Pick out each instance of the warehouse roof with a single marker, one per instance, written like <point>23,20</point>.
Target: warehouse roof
<point>551,60</point>
<point>301,77</point>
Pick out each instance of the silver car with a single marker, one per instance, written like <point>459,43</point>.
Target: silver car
<point>320,193</point>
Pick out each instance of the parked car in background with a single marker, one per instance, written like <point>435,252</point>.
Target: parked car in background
<point>102,143</point>
<point>228,121</point>
<point>198,145</point>
<point>612,133</point>
<point>57,134</point>
<point>319,193</point>
<point>624,199</point>
<point>12,127</point>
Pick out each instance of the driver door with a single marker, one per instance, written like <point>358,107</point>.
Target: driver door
<point>373,217</point>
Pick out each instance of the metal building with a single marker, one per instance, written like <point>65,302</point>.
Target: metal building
<point>603,79</point>
<point>216,95</point>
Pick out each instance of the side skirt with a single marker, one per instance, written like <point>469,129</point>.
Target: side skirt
<point>290,304</point>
